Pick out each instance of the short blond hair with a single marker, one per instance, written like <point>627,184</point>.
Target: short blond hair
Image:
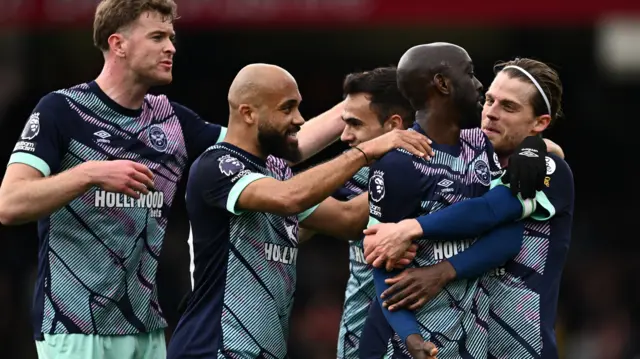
<point>112,15</point>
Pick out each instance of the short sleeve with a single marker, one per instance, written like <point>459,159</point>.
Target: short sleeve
<point>557,194</point>
<point>302,216</point>
<point>198,134</point>
<point>394,188</point>
<point>43,141</point>
<point>220,178</point>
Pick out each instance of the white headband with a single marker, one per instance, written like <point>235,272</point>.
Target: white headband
<point>544,97</point>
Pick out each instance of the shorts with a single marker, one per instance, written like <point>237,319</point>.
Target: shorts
<point>88,346</point>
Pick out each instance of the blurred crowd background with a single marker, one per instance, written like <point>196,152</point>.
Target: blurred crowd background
<point>47,45</point>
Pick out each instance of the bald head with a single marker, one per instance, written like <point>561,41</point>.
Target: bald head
<point>420,64</point>
<point>257,83</point>
<point>264,112</point>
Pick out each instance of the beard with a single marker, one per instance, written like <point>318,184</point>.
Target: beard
<point>275,143</point>
<point>470,110</point>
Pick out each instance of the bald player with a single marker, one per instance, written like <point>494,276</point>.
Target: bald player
<point>245,206</point>
<point>439,81</point>
<point>523,99</point>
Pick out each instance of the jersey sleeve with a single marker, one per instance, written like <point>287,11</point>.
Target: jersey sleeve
<point>557,194</point>
<point>198,134</point>
<point>220,178</point>
<point>490,251</point>
<point>302,216</point>
<point>44,140</point>
<point>394,188</point>
<point>394,194</point>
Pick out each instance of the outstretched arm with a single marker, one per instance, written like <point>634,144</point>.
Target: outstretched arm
<point>339,219</point>
<point>394,193</point>
<point>320,132</point>
<point>417,286</point>
<point>312,186</point>
<point>480,214</point>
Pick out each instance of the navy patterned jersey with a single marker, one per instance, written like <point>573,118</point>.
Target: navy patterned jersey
<point>404,186</point>
<point>524,292</point>
<point>244,263</point>
<point>99,254</point>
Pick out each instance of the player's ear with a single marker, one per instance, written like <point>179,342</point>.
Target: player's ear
<point>117,45</point>
<point>541,123</point>
<point>393,122</point>
<point>442,84</point>
<point>248,114</point>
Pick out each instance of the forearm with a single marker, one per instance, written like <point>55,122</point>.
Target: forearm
<point>338,219</point>
<point>490,251</point>
<point>321,131</point>
<point>27,200</point>
<point>402,321</point>
<point>317,183</point>
<point>472,217</point>
<point>356,217</point>
<point>305,234</point>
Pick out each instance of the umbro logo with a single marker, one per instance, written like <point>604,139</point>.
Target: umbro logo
<point>529,152</point>
<point>445,183</point>
<point>102,134</point>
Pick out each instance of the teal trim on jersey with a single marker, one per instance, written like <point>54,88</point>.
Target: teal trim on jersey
<point>497,182</point>
<point>31,160</point>
<point>302,216</point>
<point>372,222</point>
<point>223,133</point>
<point>237,189</point>
<point>529,205</point>
<point>70,346</point>
<point>545,204</point>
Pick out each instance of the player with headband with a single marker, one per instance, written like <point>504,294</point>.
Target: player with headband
<point>523,100</point>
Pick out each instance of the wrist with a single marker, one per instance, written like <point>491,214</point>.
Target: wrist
<point>367,149</point>
<point>447,271</point>
<point>86,173</point>
<point>412,228</point>
<point>361,154</point>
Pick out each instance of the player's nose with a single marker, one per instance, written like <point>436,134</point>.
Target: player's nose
<point>490,111</point>
<point>478,85</point>
<point>347,136</point>
<point>170,48</point>
<point>298,120</point>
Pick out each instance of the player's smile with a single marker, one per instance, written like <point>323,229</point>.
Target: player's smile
<point>489,130</point>
<point>166,64</point>
<point>292,136</point>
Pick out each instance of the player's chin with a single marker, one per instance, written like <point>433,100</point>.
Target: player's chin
<point>293,153</point>
<point>162,78</point>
